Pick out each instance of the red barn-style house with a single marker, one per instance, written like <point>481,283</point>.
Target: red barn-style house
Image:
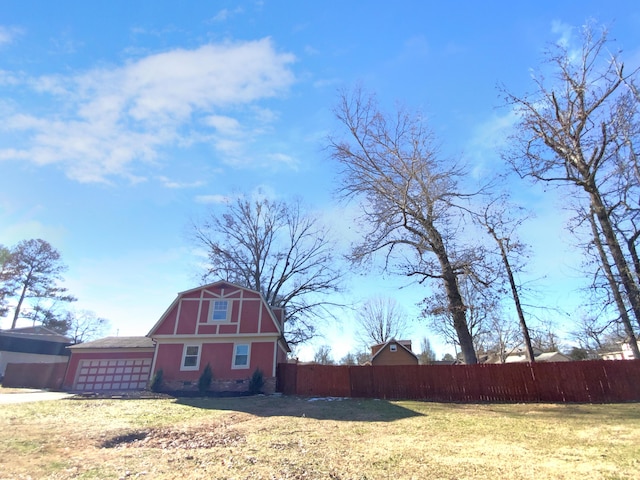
<point>228,327</point>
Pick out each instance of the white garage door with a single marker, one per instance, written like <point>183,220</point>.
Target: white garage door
<point>124,374</point>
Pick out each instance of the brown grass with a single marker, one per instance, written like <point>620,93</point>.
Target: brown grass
<point>295,438</point>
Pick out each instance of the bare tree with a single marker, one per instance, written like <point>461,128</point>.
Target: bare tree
<point>348,359</point>
<point>426,356</point>
<point>544,336</point>
<point>614,289</point>
<point>85,325</point>
<point>592,333</point>
<point>502,338</point>
<point>409,199</point>
<point>581,133</point>
<point>494,218</point>
<point>32,275</point>
<point>381,319</point>
<point>323,355</point>
<point>481,304</point>
<point>272,247</point>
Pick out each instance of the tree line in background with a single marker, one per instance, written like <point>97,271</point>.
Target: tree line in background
<point>30,276</point>
<point>422,217</point>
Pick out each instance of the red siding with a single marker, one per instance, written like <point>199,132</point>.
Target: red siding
<point>168,325</point>
<point>195,294</point>
<point>228,329</point>
<point>204,311</point>
<point>188,317</point>
<point>262,358</point>
<point>235,310</point>
<point>207,329</point>
<point>219,356</point>
<point>168,359</point>
<point>268,325</point>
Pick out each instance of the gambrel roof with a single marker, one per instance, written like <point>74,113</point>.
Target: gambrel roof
<point>173,322</point>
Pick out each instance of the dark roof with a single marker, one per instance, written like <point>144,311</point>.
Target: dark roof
<point>30,343</point>
<point>117,342</point>
<point>36,333</point>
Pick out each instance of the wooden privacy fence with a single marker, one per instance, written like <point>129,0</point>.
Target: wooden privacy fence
<point>597,381</point>
<point>35,375</point>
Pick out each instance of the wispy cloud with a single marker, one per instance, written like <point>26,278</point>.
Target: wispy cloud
<point>225,14</point>
<point>9,34</point>
<point>110,119</point>
<point>169,183</point>
<point>214,199</point>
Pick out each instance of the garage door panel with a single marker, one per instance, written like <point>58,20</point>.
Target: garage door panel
<point>122,374</point>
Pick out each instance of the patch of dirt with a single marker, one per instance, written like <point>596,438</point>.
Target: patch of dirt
<point>200,436</point>
<point>169,438</point>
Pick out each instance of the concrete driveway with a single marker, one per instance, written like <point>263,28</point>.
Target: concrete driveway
<point>32,396</point>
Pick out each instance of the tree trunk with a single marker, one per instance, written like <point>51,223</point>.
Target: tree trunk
<point>457,309</point>
<point>626,277</point>
<point>516,299</point>
<point>624,316</point>
<point>16,313</point>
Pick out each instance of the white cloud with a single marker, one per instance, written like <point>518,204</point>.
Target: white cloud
<point>108,120</point>
<point>8,34</point>
<point>225,14</point>
<point>564,32</point>
<point>214,199</point>
<point>169,183</point>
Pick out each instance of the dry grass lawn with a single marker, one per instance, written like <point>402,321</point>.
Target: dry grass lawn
<point>295,438</point>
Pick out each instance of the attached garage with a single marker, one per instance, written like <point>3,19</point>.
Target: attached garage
<point>110,364</point>
<point>122,374</point>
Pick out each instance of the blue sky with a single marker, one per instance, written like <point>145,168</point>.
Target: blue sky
<point>123,121</point>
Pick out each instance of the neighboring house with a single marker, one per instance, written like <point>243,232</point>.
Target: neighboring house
<point>229,327</point>
<point>393,352</point>
<point>624,353</point>
<point>519,356</point>
<point>32,345</point>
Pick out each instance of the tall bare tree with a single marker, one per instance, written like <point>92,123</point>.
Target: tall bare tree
<point>409,196</point>
<point>274,248</point>
<point>381,319</point>
<point>580,132</point>
<point>85,325</point>
<point>482,306</point>
<point>614,289</point>
<point>426,356</point>
<point>323,355</point>
<point>501,228</point>
<point>32,275</point>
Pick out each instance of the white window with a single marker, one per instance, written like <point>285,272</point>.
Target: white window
<point>241,356</point>
<point>393,347</point>
<point>191,357</point>
<point>220,311</point>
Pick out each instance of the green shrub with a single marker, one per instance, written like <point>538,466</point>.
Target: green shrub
<point>256,382</point>
<point>156,381</point>
<point>204,382</point>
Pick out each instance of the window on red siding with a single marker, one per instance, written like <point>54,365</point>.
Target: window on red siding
<point>241,356</point>
<point>191,356</point>
<point>220,310</point>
